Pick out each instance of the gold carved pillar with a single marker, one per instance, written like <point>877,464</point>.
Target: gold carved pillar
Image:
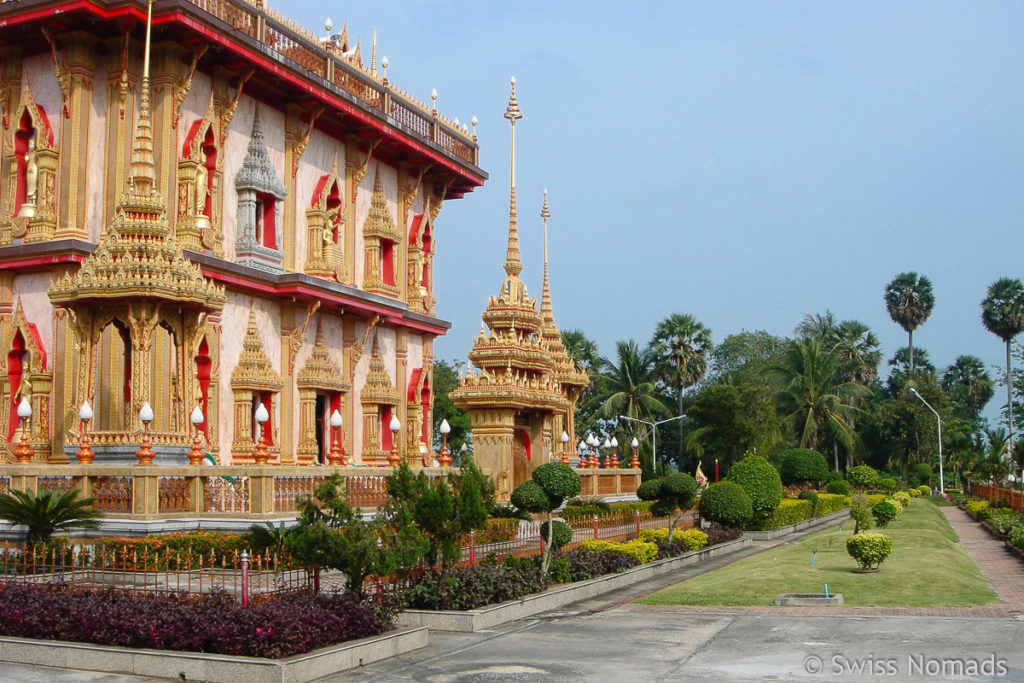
<point>78,52</point>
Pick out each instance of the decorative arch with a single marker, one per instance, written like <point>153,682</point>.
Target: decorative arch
<point>325,218</point>
<point>26,375</point>
<point>379,398</point>
<point>260,193</point>
<point>32,157</point>
<point>382,239</point>
<point>421,264</point>
<point>253,381</point>
<point>322,389</point>
<point>198,221</point>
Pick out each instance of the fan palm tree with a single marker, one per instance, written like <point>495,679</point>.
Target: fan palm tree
<point>858,347</point>
<point>968,382</point>
<point>818,325</point>
<point>814,395</point>
<point>909,300</point>
<point>682,345</point>
<point>1002,313</point>
<point>901,374</point>
<point>47,513</point>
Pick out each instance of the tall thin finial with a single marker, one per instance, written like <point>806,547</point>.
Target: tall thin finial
<point>513,266</point>
<point>545,297</point>
<point>142,154</point>
<point>373,54</point>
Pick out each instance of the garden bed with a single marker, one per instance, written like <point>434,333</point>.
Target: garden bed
<point>200,666</point>
<point>558,596</point>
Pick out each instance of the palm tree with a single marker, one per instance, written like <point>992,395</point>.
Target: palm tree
<point>629,386</point>
<point>1002,313</point>
<point>815,397</point>
<point>909,300</point>
<point>682,345</point>
<point>994,464</point>
<point>901,374</point>
<point>967,381</point>
<point>858,346</point>
<point>817,325</point>
<point>581,349</point>
<point>47,513</point>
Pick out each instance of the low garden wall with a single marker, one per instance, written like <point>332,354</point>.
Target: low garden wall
<point>199,666</point>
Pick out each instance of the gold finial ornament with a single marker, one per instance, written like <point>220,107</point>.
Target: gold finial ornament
<point>513,266</point>
<point>142,174</point>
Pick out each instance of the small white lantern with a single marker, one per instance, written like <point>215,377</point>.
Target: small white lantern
<point>336,419</point>
<point>196,417</point>
<point>261,414</point>
<point>146,413</point>
<point>85,412</point>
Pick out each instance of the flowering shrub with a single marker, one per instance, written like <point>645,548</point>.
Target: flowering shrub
<point>212,623</point>
<point>903,497</point>
<point>1017,536</point>
<point>641,551</point>
<point>1004,520</point>
<point>695,539</point>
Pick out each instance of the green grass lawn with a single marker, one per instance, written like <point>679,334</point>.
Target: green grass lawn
<point>927,568</point>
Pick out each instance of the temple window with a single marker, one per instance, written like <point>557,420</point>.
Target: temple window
<point>321,387</point>
<point>16,361</point>
<point>260,193</point>
<point>325,253</point>
<point>253,382</point>
<point>204,366</point>
<point>25,151</point>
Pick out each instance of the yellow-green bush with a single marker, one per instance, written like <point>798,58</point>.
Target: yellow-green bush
<point>898,503</point>
<point>913,493</point>
<point>903,497</point>
<point>695,539</point>
<point>924,489</point>
<point>642,551</point>
<point>978,508</point>
<point>875,498</point>
<point>832,502</point>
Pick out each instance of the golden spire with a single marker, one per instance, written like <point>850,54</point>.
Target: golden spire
<point>512,264</point>
<point>373,54</point>
<point>545,296</point>
<point>142,155</point>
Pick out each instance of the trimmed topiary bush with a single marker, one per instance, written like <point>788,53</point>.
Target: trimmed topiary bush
<point>811,496</point>
<point>802,466</point>
<point>676,492</point>
<point>761,482</point>
<point>561,535</point>
<point>977,508</point>
<point>641,551</point>
<point>884,512</point>
<point>840,486</point>
<point>790,511</point>
<point>862,476</point>
<point>870,550</point>
<point>889,484</point>
<point>727,503</point>
<point>548,488</point>
<point>903,497</point>
<point>861,516</point>
<point>831,502</point>
<point>925,490</point>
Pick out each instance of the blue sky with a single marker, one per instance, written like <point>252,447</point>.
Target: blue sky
<point>744,162</point>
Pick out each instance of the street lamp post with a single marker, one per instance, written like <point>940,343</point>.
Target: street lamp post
<point>654,434</point>
<point>938,420</point>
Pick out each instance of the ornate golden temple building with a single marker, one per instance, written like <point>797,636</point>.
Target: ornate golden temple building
<point>524,396</point>
<point>227,213</point>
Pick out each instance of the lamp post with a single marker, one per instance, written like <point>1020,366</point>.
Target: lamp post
<point>445,458</point>
<point>85,454</point>
<point>938,420</point>
<point>145,454</point>
<point>565,447</point>
<point>195,456</point>
<point>24,453</point>
<point>716,470</point>
<point>393,457</point>
<point>635,462</point>
<point>615,453</point>
<point>337,453</point>
<point>261,455</point>
<point>654,434</point>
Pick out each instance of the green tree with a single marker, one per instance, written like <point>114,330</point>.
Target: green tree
<point>681,344</point>
<point>909,300</point>
<point>549,486</point>
<point>857,346</point>
<point>446,380</point>
<point>446,508</point>
<point>1002,313</point>
<point>727,503</point>
<point>901,374</point>
<point>814,395</point>
<point>675,493</point>
<point>728,420</point>
<point>802,466</point>
<point>967,382</point>
<point>741,358</point>
<point>47,513</point>
<point>818,326</point>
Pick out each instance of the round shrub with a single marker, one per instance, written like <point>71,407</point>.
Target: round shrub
<point>811,496</point>
<point>561,534</point>
<point>861,516</point>
<point>884,512</point>
<point>925,490</point>
<point>727,503</point>
<point>870,550</point>
<point>557,480</point>
<point>862,476</point>
<point>761,482</point>
<point>649,489</point>
<point>832,476</point>
<point>840,486</point>
<point>802,465</point>
<point>530,496</point>
<point>903,497</point>
<point>889,484</point>
<point>923,471</point>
